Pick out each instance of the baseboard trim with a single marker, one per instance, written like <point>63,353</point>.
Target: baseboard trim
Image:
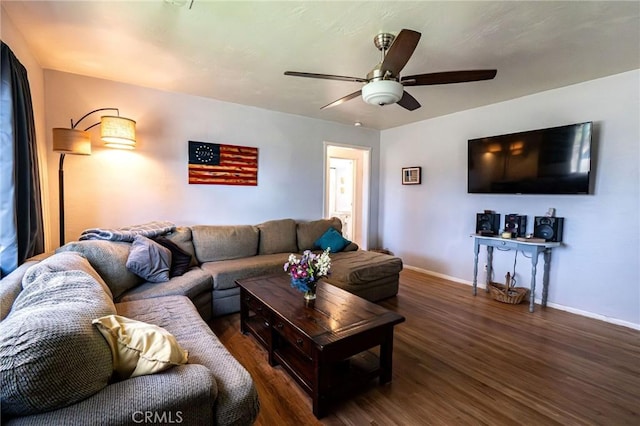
<point>569,309</point>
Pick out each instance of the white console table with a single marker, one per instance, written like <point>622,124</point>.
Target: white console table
<point>534,249</point>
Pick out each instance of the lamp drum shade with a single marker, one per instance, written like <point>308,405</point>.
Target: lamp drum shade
<point>118,132</point>
<point>71,141</point>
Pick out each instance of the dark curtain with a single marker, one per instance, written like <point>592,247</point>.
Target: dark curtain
<point>23,233</point>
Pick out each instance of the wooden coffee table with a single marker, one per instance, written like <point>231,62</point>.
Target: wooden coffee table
<point>328,346</point>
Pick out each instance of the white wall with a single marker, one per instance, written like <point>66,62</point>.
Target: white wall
<point>12,38</point>
<point>116,188</point>
<point>597,271</point>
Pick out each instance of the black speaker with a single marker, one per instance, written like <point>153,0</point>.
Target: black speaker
<point>549,228</point>
<point>515,224</point>
<point>488,223</point>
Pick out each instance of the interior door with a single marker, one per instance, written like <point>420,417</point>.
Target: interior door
<point>347,189</point>
<point>342,193</point>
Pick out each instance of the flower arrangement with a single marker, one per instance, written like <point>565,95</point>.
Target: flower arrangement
<point>305,271</point>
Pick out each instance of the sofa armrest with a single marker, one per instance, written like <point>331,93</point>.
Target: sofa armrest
<point>10,288</point>
<point>184,394</point>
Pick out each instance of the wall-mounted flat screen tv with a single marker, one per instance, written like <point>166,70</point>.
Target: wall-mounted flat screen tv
<point>546,161</point>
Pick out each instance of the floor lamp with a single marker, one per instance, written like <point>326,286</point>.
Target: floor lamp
<point>115,131</point>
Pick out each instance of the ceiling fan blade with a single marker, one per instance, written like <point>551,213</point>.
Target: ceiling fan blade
<point>447,77</point>
<point>343,99</point>
<point>400,51</point>
<point>408,102</point>
<point>325,76</point>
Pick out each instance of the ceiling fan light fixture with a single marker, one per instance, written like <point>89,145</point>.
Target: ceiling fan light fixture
<point>382,92</point>
<point>383,85</point>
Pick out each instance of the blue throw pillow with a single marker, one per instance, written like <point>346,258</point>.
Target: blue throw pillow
<point>333,240</point>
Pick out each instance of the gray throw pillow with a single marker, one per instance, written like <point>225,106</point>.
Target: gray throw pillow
<point>149,260</point>
<point>51,356</point>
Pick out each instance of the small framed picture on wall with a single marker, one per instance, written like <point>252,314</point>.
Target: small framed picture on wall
<point>411,175</point>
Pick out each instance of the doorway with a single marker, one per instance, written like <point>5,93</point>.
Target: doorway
<point>347,172</point>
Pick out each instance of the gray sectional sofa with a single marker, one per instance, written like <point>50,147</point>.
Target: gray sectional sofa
<point>213,388</point>
<point>57,369</point>
<point>224,254</point>
<point>229,253</point>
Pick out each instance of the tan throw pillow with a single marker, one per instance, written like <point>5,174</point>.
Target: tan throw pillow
<point>139,348</point>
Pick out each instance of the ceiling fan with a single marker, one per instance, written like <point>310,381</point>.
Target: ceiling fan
<point>383,84</point>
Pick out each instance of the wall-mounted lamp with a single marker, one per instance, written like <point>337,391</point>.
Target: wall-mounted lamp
<point>115,131</point>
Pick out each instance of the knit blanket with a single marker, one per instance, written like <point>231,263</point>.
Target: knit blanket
<point>128,233</point>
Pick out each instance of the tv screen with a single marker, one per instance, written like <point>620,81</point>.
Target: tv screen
<point>546,161</point>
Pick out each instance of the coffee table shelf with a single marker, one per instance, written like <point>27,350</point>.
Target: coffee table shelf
<point>298,367</point>
<point>260,329</point>
<point>343,376</point>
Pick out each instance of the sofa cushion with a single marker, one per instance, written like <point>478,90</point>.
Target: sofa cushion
<point>50,354</point>
<point>225,273</point>
<point>10,287</point>
<point>373,291</point>
<point>361,267</point>
<point>149,260</point>
<point>194,282</point>
<point>180,259</point>
<point>214,243</point>
<point>278,236</point>
<point>183,238</point>
<point>332,240</point>
<point>309,232</point>
<point>237,402</point>
<point>139,348</point>
<point>109,258</point>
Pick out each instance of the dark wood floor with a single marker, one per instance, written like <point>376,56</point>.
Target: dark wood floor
<point>460,359</point>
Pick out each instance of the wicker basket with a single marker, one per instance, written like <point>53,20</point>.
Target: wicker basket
<point>505,293</point>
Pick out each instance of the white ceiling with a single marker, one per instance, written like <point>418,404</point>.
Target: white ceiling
<point>237,51</point>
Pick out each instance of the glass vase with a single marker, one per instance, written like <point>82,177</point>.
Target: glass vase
<point>310,294</point>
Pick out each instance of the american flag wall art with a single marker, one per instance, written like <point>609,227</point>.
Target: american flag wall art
<point>217,164</point>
